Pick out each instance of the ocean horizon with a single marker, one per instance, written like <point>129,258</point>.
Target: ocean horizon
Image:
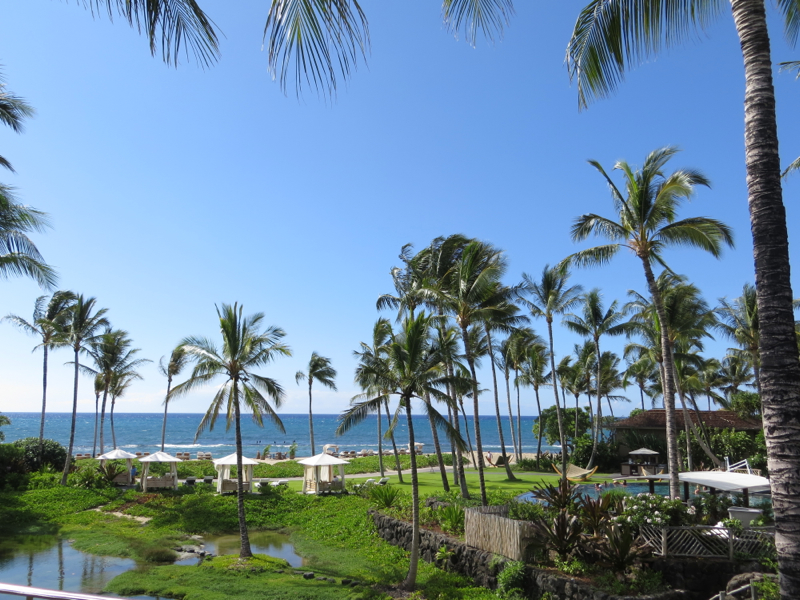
<point>141,432</point>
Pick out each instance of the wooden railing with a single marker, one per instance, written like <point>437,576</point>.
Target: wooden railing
<point>32,592</point>
<point>707,541</point>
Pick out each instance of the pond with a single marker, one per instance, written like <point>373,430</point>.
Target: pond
<point>52,563</point>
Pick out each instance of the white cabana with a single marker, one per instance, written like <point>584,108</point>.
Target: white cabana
<point>117,454</point>
<point>163,481</point>
<point>726,481</point>
<point>327,447</point>
<point>319,474</point>
<point>223,466</point>
<point>417,445</point>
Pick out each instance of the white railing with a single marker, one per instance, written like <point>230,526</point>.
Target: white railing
<point>707,541</point>
<point>32,592</point>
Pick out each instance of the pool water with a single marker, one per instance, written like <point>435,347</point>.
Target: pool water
<point>661,488</point>
<point>50,562</point>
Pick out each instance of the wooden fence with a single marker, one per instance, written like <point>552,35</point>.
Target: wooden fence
<point>707,541</point>
<point>490,529</point>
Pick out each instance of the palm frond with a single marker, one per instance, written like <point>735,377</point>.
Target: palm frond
<point>592,257</point>
<point>488,16</point>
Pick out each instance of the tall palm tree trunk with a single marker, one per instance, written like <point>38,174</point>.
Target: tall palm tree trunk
<point>541,426</point>
<point>96,416</point>
<point>779,375</point>
<point>668,387</point>
<point>560,417</point>
<point>466,428</point>
<point>509,474</point>
<point>44,404</point>
<point>437,448</point>
<point>596,428</point>
<point>459,459</point>
<point>103,418</point>
<point>68,462</point>
<point>380,442</point>
<point>511,416</point>
<point>111,418</point>
<point>166,407</point>
<point>311,417</point>
<point>519,416</point>
<point>413,560</point>
<point>398,466</point>
<point>641,393</point>
<point>477,425</point>
<point>245,551</point>
<point>610,408</point>
<point>691,426</point>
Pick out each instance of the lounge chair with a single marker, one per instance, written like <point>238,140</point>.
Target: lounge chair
<point>577,474</point>
<point>500,462</point>
<point>190,480</point>
<point>208,479</point>
<point>383,481</point>
<point>279,482</point>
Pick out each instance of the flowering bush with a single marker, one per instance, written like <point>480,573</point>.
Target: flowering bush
<point>651,509</point>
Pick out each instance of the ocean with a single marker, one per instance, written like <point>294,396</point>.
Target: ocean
<point>141,432</point>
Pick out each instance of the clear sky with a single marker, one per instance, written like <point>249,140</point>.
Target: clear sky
<point>171,190</point>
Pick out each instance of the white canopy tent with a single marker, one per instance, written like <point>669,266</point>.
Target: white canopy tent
<point>643,452</point>
<point>223,466</point>
<point>327,447</point>
<point>726,480</point>
<point>117,454</point>
<point>170,480</point>
<point>319,474</point>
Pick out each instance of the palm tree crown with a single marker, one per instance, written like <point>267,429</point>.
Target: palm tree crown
<point>319,369</point>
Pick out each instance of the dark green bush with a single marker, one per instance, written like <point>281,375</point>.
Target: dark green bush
<point>53,453</point>
<point>384,496</point>
<point>606,459</point>
<point>525,511</point>
<point>511,579</point>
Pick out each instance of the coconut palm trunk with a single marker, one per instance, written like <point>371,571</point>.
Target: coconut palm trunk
<point>511,415</point>
<point>668,380</point>
<point>44,404</point>
<point>96,416</point>
<point>541,425</point>
<point>598,420</point>
<point>245,551</point>
<point>111,419</point>
<point>68,462</point>
<point>476,409</point>
<point>398,466</point>
<point>103,419</point>
<point>519,418</point>
<point>456,419</point>
<point>560,417</point>
<point>779,371</point>
<point>691,426</point>
<point>509,474</point>
<point>437,449</point>
<point>380,442</point>
<point>466,428</point>
<point>311,418</point>
<point>166,408</point>
<point>413,560</point>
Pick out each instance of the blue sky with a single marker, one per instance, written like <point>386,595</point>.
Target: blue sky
<point>171,190</point>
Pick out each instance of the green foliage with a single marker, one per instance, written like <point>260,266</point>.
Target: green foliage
<point>561,534</point>
<point>561,496</point>
<point>606,458</point>
<point>572,566</point>
<point>595,514</point>
<point>384,496</point>
<point>736,445</point>
<point>633,439</point>
<point>618,549</point>
<point>53,453</point>
<point>636,581</point>
<point>511,580</point>
<point>635,411</point>
<point>549,419</point>
<point>451,519</point>
<point>768,589</point>
<point>652,509</point>
<point>525,511</point>
<point>529,464</point>
<point>746,404</point>
<point>88,477</point>
<point>110,470</point>
<point>710,509</point>
<point>4,420</point>
<point>12,467</point>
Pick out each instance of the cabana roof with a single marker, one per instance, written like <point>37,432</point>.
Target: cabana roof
<point>725,480</point>
<point>116,454</point>
<point>160,457</point>
<point>231,460</point>
<point>643,452</point>
<point>322,460</point>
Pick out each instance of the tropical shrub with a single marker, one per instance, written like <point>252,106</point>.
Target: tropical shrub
<point>561,534</point>
<point>12,467</point>
<point>606,458</point>
<point>109,471</point>
<point>451,519</point>
<point>53,453</point>
<point>618,548</point>
<point>710,509</point>
<point>89,478</point>
<point>383,496</point>
<point>511,580</point>
<point>529,464</point>
<point>562,496</point>
<point>525,511</point>
<point>652,509</point>
<point>595,514</point>
<point>4,420</point>
<point>549,420</point>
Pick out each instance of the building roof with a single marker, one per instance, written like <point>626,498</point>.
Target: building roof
<point>718,419</point>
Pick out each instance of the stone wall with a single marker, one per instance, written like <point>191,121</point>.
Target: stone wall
<point>483,567</point>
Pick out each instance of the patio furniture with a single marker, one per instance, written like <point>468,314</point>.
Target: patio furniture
<point>383,481</point>
<point>279,482</point>
<point>191,480</point>
<point>575,473</point>
<point>163,481</point>
<point>208,479</point>
<point>223,467</point>
<point>322,469</point>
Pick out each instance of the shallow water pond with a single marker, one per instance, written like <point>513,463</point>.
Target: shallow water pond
<point>52,563</point>
<point>271,543</point>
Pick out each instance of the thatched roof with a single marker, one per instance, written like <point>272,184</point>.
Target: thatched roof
<point>717,419</point>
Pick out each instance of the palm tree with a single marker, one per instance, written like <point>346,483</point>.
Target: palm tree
<point>474,281</point>
<point>647,226</point>
<point>513,354</point>
<point>411,369</point>
<point>244,348</point>
<point>381,332</point>
<point>533,373</point>
<point>319,368</point>
<point>172,368</point>
<point>13,111</point>
<point>642,372</point>
<point>595,323</point>
<point>48,313</point>
<point>551,296</point>
<point>99,384</point>
<point>18,254</point>
<point>709,379</point>
<point>122,379</point>
<point>77,329</point>
<point>739,321</point>
<point>735,372</point>
<point>612,35</point>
